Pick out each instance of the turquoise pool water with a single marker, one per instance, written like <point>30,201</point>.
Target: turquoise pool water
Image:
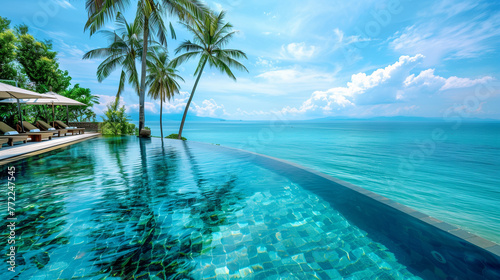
<point>118,208</point>
<point>456,180</point>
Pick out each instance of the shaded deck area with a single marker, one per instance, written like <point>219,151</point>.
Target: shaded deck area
<point>20,151</point>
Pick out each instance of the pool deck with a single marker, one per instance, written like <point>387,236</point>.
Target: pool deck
<point>20,150</point>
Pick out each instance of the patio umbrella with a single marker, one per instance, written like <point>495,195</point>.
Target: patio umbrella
<point>13,94</point>
<point>56,99</point>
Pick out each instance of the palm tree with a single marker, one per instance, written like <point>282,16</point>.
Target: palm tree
<point>162,80</point>
<point>211,34</point>
<point>123,50</point>
<point>150,13</point>
<point>84,95</point>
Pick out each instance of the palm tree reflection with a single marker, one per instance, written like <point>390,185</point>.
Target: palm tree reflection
<point>147,227</point>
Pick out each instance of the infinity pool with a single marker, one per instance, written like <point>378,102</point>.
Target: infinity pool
<point>124,208</point>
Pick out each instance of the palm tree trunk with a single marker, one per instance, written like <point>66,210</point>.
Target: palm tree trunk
<point>142,91</point>
<point>189,101</point>
<point>161,114</point>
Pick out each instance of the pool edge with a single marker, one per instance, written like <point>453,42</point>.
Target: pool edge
<point>48,149</point>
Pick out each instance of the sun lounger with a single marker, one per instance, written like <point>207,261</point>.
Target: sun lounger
<point>47,127</point>
<point>60,124</point>
<point>31,128</point>
<point>14,138</point>
<point>35,136</point>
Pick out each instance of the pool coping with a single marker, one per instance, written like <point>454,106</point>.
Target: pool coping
<point>459,233</point>
<point>73,139</point>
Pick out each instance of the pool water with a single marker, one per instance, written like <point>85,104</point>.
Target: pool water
<point>123,208</point>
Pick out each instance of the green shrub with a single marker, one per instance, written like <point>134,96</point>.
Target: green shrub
<point>116,120</point>
<point>175,136</point>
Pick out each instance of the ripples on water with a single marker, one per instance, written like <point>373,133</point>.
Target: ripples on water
<point>124,207</point>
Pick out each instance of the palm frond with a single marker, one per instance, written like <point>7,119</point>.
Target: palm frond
<point>183,58</point>
<point>100,11</point>
<point>188,46</point>
<point>121,85</point>
<point>97,53</point>
<point>107,66</point>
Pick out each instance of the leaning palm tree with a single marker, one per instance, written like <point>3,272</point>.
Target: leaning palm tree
<point>123,51</point>
<point>151,13</point>
<point>211,34</point>
<point>162,80</point>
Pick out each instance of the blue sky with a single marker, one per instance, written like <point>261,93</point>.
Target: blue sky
<point>312,59</point>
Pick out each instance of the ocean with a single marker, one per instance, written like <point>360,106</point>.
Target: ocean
<point>450,171</point>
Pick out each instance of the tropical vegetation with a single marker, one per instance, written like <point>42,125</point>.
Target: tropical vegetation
<point>32,64</point>
<point>116,121</point>
<point>211,34</point>
<point>175,136</point>
<point>162,80</point>
<point>83,95</point>
<point>125,46</point>
<point>151,14</point>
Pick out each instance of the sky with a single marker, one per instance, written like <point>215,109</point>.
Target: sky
<point>312,59</point>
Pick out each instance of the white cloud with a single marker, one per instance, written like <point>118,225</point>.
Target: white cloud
<point>450,8</point>
<point>298,51</point>
<point>425,78</point>
<point>267,63</point>
<point>66,50</point>
<point>148,106</point>
<point>104,100</point>
<point>208,107</point>
<point>272,82</point>
<point>428,79</point>
<point>468,38</point>
<point>455,82</point>
<point>388,91</point>
<point>296,75</point>
<point>56,34</point>
<point>347,40</point>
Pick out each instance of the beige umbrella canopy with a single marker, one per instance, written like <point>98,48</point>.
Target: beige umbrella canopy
<point>16,93</point>
<point>8,91</point>
<point>53,98</point>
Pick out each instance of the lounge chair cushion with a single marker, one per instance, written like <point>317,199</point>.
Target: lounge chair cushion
<point>35,130</point>
<point>11,133</point>
<point>51,128</point>
<point>71,127</point>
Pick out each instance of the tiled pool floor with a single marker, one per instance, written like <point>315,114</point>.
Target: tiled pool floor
<point>292,234</point>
